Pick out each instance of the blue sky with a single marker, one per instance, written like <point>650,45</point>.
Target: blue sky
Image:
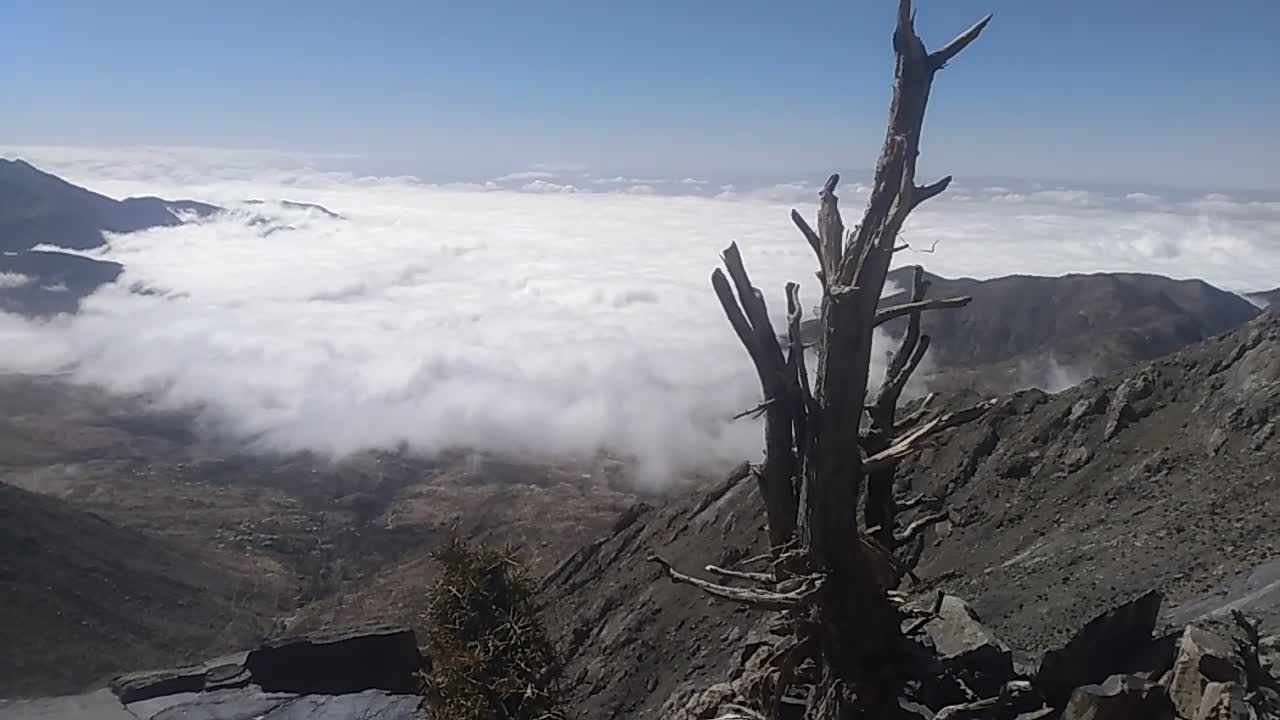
<point>1127,91</point>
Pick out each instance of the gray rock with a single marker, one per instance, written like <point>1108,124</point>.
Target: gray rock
<point>1269,654</point>
<point>968,649</point>
<point>1224,701</point>
<point>1119,697</point>
<point>253,704</point>
<point>136,687</point>
<point>1203,658</point>
<point>1076,458</point>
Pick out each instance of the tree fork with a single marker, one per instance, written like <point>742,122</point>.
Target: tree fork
<point>834,580</point>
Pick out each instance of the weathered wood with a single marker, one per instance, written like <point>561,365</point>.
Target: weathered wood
<point>880,509</point>
<point>815,471</point>
<point>763,599</point>
<point>897,311</point>
<point>922,193</point>
<point>744,305</point>
<point>830,227</point>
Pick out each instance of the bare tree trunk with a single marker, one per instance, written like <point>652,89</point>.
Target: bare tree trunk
<point>830,575</point>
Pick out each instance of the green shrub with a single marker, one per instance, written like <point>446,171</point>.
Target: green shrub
<point>491,658</point>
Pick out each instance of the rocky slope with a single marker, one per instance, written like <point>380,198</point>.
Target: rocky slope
<point>313,534</point>
<point>83,597</point>
<point>1166,476</point>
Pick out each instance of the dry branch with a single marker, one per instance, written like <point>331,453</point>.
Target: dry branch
<point>897,311</point>
<point>939,59</point>
<point>923,193</point>
<point>917,415</point>
<point>918,500</point>
<point>757,598</point>
<point>919,525</point>
<point>809,235</point>
<point>912,442</point>
<point>756,577</point>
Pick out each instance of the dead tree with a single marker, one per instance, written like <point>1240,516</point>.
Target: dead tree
<point>830,575</point>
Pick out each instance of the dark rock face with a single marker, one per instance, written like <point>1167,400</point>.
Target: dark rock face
<point>1104,645</point>
<point>384,658</point>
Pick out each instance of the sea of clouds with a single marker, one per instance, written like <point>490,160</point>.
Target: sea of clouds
<point>548,312</point>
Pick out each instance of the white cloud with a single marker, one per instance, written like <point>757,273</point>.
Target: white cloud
<point>542,186</point>
<point>11,280</point>
<point>526,175</point>
<point>546,322</point>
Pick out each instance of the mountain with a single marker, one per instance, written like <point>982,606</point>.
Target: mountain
<point>1165,476</point>
<point>1052,332</point>
<point>37,208</point>
<point>1265,298</point>
<point>1104,320</point>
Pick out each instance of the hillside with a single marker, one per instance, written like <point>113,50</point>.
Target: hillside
<point>37,208</point>
<point>130,492</point>
<point>1266,298</point>
<point>1052,332</point>
<point>83,597</point>
<point>1166,476</point>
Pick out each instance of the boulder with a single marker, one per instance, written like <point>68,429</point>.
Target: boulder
<point>1119,697</point>
<point>1223,701</point>
<point>969,650</point>
<point>1204,658</point>
<point>137,687</point>
<point>1106,645</point>
<point>335,663</point>
<point>223,673</point>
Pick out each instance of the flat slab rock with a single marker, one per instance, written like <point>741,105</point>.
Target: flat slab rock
<point>364,672</point>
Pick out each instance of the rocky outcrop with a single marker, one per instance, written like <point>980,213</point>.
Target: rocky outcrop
<point>383,658</point>
<point>1058,535</point>
<point>1209,678</point>
<point>354,673</point>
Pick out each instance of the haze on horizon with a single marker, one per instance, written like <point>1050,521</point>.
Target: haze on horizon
<point>1144,92</point>
<point>532,200</point>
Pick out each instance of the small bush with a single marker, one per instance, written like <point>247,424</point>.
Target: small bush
<point>490,655</point>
